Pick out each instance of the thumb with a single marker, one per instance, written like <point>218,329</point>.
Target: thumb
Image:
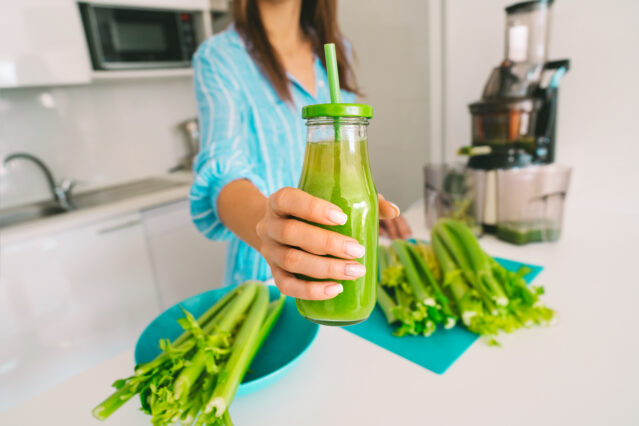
<point>387,210</point>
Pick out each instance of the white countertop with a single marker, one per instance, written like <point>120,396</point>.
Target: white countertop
<point>76,218</point>
<point>582,371</point>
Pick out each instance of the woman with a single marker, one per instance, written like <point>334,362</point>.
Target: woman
<point>251,82</point>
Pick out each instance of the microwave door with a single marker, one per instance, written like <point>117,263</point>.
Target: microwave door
<point>126,38</point>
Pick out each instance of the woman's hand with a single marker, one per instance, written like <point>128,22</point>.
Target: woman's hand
<point>291,246</point>
<point>392,225</point>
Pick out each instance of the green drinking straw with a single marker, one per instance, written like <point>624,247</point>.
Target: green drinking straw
<point>336,98</point>
<point>333,75</point>
<point>333,79</point>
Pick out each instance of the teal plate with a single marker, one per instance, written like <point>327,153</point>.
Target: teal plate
<point>290,338</point>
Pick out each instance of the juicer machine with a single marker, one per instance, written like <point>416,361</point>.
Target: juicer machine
<point>514,123</point>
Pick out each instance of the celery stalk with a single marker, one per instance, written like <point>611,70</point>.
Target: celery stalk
<point>478,260</point>
<point>456,250</point>
<point>118,398</point>
<point>469,306</point>
<point>243,349</point>
<point>103,410</point>
<point>226,419</point>
<point>386,303</point>
<point>202,320</point>
<point>196,376</point>
<point>272,314</point>
<point>211,312</point>
<point>460,253</point>
<point>237,307</point>
<point>427,253</point>
<point>417,286</point>
<point>427,275</point>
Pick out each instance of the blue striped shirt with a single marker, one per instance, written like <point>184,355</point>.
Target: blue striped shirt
<point>247,132</point>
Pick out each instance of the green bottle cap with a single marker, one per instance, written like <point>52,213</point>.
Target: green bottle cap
<point>337,110</point>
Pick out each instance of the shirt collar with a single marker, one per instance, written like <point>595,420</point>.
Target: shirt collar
<point>320,80</point>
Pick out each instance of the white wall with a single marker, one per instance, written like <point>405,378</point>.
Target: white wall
<point>99,134</point>
<point>391,47</point>
<point>599,97</point>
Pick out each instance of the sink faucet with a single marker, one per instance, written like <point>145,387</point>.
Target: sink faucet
<point>61,192</point>
<point>192,132</point>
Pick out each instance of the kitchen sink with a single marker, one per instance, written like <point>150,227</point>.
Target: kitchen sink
<point>112,194</point>
<point>28,212</point>
<point>83,200</point>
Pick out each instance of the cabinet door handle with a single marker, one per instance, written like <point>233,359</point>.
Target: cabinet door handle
<point>119,227</point>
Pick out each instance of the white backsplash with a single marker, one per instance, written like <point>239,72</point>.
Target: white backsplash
<point>98,134</point>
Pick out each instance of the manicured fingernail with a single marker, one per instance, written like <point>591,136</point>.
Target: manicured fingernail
<point>355,250</point>
<point>395,206</point>
<point>337,217</point>
<point>333,290</point>
<point>355,270</point>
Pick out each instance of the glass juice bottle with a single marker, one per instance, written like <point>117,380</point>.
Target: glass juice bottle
<point>337,169</point>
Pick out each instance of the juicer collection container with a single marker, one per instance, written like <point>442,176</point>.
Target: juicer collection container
<point>531,203</point>
<point>450,190</point>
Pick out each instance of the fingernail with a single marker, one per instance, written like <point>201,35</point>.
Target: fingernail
<point>337,216</point>
<point>354,249</point>
<point>355,270</point>
<point>333,290</point>
<point>395,206</point>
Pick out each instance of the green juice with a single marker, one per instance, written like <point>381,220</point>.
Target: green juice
<point>339,172</point>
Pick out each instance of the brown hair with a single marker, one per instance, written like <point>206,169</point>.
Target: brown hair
<point>318,20</point>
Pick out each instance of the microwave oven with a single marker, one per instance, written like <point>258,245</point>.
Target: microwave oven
<point>125,38</point>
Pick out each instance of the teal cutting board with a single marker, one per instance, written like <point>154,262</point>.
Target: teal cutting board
<point>442,348</point>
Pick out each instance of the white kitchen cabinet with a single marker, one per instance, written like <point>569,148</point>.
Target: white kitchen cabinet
<point>220,5</point>
<point>42,43</point>
<point>69,301</point>
<point>184,261</point>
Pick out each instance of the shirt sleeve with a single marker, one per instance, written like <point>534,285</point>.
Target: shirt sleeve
<point>224,152</point>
